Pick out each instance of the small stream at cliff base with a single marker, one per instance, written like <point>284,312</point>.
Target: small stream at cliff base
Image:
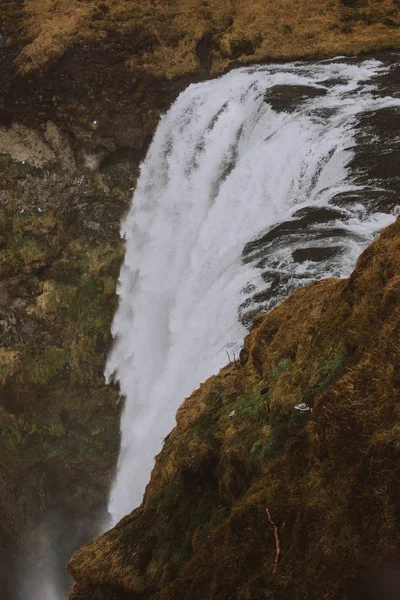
<point>255,183</point>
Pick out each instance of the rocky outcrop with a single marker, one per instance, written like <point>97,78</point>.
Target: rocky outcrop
<point>281,478</point>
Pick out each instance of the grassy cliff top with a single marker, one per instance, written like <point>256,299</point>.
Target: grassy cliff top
<point>172,38</point>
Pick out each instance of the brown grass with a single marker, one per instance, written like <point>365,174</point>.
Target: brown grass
<point>163,36</point>
<point>330,477</point>
<point>8,362</point>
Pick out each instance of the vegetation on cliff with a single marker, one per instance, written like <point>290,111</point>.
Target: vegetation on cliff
<point>59,262</point>
<point>71,141</point>
<point>289,453</point>
<point>170,38</point>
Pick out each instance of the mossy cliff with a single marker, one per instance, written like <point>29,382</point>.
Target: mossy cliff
<point>296,443</point>
<point>71,141</point>
<point>59,262</point>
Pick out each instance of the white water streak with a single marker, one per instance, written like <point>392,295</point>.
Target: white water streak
<point>222,168</point>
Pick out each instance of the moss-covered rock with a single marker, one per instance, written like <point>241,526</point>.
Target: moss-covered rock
<point>60,254</point>
<point>71,141</point>
<point>58,421</point>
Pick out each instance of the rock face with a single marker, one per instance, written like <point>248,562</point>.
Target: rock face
<point>71,140</point>
<point>83,85</point>
<point>281,478</point>
<point>59,262</point>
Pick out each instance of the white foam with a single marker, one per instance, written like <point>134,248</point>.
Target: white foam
<point>223,167</point>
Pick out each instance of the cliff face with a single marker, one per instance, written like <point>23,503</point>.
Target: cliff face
<point>82,87</point>
<point>281,478</point>
<point>71,140</point>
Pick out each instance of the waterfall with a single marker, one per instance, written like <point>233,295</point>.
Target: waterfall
<point>246,192</point>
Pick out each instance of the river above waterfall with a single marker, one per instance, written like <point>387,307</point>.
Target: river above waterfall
<point>255,183</point>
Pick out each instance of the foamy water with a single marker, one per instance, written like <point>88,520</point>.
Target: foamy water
<point>223,169</point>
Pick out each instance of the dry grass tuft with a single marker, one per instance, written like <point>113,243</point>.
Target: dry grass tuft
<point>163,36</point>
<point>8,362</point>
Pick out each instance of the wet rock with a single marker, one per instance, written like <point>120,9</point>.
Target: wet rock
<point>127,131</point>
<point>289,97</point>
<point>314,254</point>
<point>16,328</point>
<point>303,221</point>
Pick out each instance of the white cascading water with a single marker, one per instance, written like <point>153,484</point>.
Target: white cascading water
<point>223,168</point>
